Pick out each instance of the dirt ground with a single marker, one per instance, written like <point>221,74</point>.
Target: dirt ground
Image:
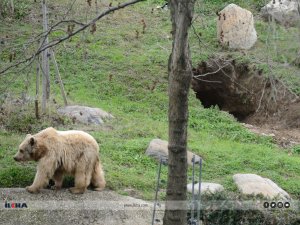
<point>61,207</point>
<point>285,138</point>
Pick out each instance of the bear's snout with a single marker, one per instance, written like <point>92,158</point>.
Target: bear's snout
<point>16,158</point>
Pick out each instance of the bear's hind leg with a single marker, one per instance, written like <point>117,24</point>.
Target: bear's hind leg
<point>98,180</point>
<point>82,180</point>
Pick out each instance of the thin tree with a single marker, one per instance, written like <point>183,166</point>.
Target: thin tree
<point>45,61</point>
<point>180,75</point>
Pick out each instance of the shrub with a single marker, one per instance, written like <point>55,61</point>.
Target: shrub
<point>18,115</point>
<point>18,11</point>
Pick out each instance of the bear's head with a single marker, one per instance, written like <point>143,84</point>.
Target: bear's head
<point>27,149</point>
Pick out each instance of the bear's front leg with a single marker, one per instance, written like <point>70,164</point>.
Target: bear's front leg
<point>41,179</point>
<point>32,189</point>
<point>39,182</point>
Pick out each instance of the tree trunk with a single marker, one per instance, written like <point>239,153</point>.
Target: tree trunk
<point>180,75</point>
<point>12,8</point>
<point>58,77</point>
<point>37,90</point>
<point>45,62</point>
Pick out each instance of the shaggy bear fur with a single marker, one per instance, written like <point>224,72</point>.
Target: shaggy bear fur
<point>63,152</point>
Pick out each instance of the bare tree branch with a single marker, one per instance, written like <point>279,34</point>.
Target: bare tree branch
<point>208,81</point>
<point>83,27</point>
<point>214,72</point>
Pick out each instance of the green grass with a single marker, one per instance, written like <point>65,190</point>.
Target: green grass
<point>115,70</point>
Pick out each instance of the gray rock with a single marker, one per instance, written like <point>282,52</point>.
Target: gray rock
<point>206,188</point>
<point>284,12</point>
<point>84,114</point>
<point>158,149</point>
<point>253,184</point>
<point>235,27</point>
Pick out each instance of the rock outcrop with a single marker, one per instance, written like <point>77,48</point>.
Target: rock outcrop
<point>285,12</point>
<point>84,114</point>
<point>235,27</point>
<point>206,188</point>
<point>158,149</point>
<point>252,184</point>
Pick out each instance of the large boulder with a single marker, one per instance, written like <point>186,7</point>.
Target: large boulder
<point>235,27</point>
<point>84,114</point>
<point>252,184</point>
<point>206,188</point>
<point>285,12</point>
<point>158,149</point>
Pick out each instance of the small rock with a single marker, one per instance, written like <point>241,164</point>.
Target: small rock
<point>284,12</point>
<point>206,188</point>
<point>158,149</point>
<point>268,135</point>
<point>84,114</point>
<point>247,125</point>
<point>235,27</point>
<point>253,184</point>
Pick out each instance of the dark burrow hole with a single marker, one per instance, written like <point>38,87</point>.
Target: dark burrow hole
<point>243,91</point>
<point>224,89</point>
<point>212,98</point>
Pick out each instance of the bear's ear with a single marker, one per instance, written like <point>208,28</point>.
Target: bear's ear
<point>32,141</point>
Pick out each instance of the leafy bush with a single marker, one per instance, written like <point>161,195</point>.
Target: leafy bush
<point>296,149</point>
<point>18,11</point>
<point>18,116</point>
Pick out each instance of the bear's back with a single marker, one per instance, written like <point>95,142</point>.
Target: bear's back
<point>77,135</point>
<point>50,135</point>
<point>70,133</point>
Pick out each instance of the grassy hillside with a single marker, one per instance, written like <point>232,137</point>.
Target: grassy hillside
<point>126,74</point>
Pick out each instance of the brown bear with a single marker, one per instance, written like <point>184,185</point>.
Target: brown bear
<point>63,152</point>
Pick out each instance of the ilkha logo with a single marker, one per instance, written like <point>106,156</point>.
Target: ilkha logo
<point>15,205</point>
<point>9,203</point>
